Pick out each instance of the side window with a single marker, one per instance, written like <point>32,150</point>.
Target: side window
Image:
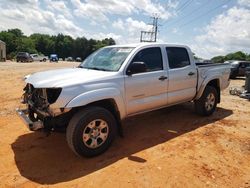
<point>242,65</point>
<point>151,57</point>
<point>177,57</point>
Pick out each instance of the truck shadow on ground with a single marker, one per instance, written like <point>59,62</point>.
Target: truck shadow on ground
<point>48,160</point>
<point>238,78</point>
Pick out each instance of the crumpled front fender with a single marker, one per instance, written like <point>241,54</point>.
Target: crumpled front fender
<point>97,95</point>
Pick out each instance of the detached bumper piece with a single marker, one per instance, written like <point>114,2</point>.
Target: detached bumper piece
<point>245,95</point>
<point>33,126</point>
<point>243,92</point>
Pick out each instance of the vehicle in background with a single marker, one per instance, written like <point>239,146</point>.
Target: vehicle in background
<point>53,58</point>
<point>78,59</point>
<point>238,68</point>
<point>23,57</point>
<point>37,57</point>
<point>69,59</point>
<point>117,82</point>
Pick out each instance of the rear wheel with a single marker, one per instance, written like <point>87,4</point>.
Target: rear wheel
<point>91,131</point>
<point>207,103</point>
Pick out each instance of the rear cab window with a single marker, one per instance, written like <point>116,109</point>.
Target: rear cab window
<point>177,57</point>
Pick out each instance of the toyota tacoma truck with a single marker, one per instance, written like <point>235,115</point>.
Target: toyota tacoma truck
<point>114,83</point>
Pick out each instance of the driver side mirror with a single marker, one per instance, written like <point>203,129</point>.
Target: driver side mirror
<point>136,67</point>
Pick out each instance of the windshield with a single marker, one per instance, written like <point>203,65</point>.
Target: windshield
<point>107,59</point>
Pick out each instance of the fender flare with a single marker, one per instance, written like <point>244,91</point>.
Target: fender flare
<point>98,95</point>
<point>204,84</point>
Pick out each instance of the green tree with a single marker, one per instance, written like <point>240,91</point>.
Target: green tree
<point>43,43</point>
<point>26,45</point>
<point>17,32</point>
<point>80,48</point>
<point>63,45</point>
<point>218,59</point>
<point>236,56</point>
<point>248,57</point>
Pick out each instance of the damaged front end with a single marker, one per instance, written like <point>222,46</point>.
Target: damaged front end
<point>38,114</point>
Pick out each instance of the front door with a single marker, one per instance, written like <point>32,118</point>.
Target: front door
<point>147,90</point>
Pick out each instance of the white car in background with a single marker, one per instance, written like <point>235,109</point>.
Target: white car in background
<point>37,57</point>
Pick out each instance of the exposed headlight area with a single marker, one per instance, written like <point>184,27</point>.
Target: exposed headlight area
<point>40,97</point>
<point>38,113</point>
<point>53,94</point>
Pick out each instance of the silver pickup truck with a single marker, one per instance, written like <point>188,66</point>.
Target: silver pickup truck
<point>116,82</point>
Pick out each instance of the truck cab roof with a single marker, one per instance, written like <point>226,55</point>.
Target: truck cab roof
<point>149,44</point>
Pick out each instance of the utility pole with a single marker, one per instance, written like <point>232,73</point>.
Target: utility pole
<point>150,36</point>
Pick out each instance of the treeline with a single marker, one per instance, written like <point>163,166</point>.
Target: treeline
<point>62,45</point>
<point>232,56</point>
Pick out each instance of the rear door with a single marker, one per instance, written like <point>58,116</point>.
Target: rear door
<point>182,75</point>
<point>147,90</point>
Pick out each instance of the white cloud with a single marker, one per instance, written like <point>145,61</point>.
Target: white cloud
<point>118,24</point>
<point>172,4</point>
<point>99,10</point>
<point>244,3</point>
<point>130,29</point>
<point>228,32</point>
<point>58,6</point>
<point>69,17</point>
<point>31,18</point>
<point>100,36</point>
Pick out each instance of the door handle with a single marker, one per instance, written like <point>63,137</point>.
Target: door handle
<point>191,74</point>
<point>162,78</point>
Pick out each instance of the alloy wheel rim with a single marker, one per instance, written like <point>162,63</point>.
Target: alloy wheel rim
<point>210,102</point>
<point>95,133</point>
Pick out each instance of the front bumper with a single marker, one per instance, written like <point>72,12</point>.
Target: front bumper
<point>32,125</point>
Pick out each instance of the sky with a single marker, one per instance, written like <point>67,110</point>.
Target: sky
<point>208,27</point>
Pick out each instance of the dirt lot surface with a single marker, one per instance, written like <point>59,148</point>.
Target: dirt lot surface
<point>172,147</point>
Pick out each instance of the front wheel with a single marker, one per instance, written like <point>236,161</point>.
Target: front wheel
<point>91,131</point>
<point>207,103</point>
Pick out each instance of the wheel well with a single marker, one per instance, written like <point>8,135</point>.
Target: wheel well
<point>216,84</point>
<point>111,106</point>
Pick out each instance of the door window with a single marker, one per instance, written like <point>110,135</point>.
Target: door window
<point>177,57</point>
<point>152,57</point>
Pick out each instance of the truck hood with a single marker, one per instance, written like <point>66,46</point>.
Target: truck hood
<point>65,77</point>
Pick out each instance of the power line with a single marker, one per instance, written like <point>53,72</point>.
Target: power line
<point>189,14</point>
<point>182,7</point>
<point>206,13</point>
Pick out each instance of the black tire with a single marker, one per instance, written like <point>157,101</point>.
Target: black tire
<point>80,122</point>
<point>201,107</point>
